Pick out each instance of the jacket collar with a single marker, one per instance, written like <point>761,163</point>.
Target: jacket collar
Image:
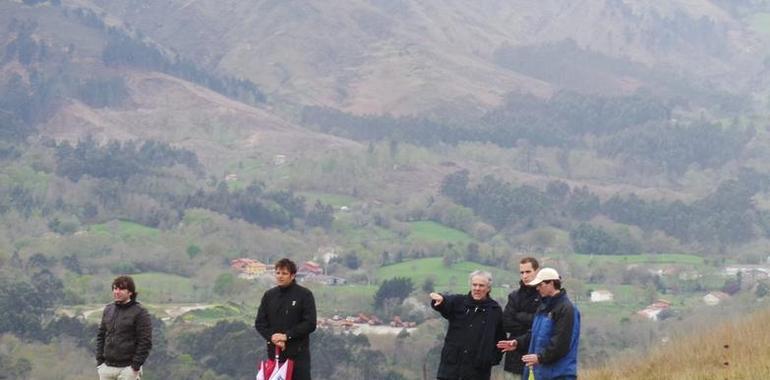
<point>125,305</point>
<point>549,302</point>
<point>526,288</point>
<point>287,287</point>
<point>485,303</point>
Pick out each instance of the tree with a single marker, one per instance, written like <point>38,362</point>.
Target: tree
<point>320,216</point>
<point>762,290</point>
<point>472,252</point>
<point>397,288</point>
<point>23,305</point>
<point>352,261</point>
<point>587,239</point>
<point>428,285</point>
<point>224,284</point>
<point>193,251</point>
<point>455,185</point>
<point>225,348</point>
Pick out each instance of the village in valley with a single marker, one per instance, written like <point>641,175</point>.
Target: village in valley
<point>735,278</point>
<point>312,272</point>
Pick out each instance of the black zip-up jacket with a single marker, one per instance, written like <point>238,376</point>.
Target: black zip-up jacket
<point>290,311</point>
<point>125,335</point>
<point>517,320</point>
<point>470,347</point>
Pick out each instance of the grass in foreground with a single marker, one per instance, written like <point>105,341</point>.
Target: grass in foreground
<point>734,350</point>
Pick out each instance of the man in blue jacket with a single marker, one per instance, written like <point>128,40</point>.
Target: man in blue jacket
<point>553,340</point>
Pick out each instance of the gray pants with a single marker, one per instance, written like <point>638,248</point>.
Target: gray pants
<point>117,373</point>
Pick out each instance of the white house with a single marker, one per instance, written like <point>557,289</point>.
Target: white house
<point>714,298</point>
<point>652,311</point>
<point>602,296</point>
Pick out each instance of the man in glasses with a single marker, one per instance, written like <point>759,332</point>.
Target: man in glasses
<point>553,340</point>
<point>518,315</point>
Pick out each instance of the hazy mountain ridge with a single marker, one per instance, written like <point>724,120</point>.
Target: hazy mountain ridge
<point>416,26</point>
<point>370,57</point>
<point>152,105</point>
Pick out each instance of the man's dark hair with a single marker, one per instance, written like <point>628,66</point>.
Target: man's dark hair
<point>287,264</point>
<point>125,282</point>
<point>531,260</point>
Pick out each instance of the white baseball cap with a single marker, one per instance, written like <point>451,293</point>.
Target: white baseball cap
<point>545,274</point>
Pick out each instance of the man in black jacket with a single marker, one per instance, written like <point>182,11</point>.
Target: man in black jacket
<point>286,317</point>
<point>519,313</point>
<point>124,339</point>
<point>475,327</point>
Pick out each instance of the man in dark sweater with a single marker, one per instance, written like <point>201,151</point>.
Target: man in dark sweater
<point>124,339</point>
<point>286,317</point>
<point>519,313</point>
<point>475,326</point>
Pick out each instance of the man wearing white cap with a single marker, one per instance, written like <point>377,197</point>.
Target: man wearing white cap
<point>553,340</point>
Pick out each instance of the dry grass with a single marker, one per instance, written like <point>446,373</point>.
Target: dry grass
<point>735,350</point>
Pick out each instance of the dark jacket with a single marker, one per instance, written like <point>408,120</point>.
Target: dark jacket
<point>125,335</point>
<point>517,321</point>
<point>470,346</point>
<point>290,311</point>
<point>554,338</point>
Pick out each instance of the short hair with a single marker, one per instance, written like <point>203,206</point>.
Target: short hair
<point>125,282</point>
<point>481,273</point>
<point>287,264</point>
<point>531,260</point>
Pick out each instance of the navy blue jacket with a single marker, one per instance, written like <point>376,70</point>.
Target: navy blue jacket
<point>554,338</point>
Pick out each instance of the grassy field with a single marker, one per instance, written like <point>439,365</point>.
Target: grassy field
<point>668,258</point>
<point>125,230</point>
<point>453,278</point>
<point>344,225</point>
<point>434,232</point>
<point>344,299</point>
<point>153,287</point>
